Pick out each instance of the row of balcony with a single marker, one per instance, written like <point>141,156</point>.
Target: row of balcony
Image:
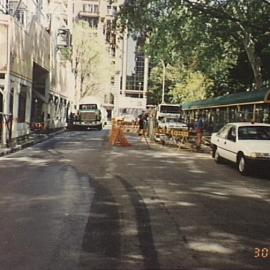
<point>93,10</point>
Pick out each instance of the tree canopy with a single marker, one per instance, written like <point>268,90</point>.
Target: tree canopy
<point>225,41</point>
<point>91,61</point>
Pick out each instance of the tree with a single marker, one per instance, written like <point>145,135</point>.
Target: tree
<point>246,21</point>
<point>193,87</point>
<point>181,85</point>
<point>208,35</point>
<point>91,62</point>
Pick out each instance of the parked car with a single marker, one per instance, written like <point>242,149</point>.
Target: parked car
<point>172,123</point>
<point>245,144</point>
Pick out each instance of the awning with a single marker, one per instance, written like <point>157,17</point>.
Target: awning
<point>256,96</point>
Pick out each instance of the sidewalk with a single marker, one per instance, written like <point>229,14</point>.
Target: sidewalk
<point>34,138</point>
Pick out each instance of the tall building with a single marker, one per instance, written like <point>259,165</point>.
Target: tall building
<point>127,90</point>
<point>134,76</point>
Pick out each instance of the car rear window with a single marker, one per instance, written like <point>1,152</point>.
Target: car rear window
<point>254,133</point>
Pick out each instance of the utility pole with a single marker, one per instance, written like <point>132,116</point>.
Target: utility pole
<point>145,76</point>
<point>125,59</point>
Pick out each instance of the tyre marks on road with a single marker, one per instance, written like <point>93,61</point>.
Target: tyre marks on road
<point>145,235</point>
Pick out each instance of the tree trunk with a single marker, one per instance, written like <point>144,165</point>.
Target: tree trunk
<point>76,75</point>
<point>254,60</point>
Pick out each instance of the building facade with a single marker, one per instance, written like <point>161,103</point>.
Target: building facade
<point>61,76</point>
<point>33,79</point>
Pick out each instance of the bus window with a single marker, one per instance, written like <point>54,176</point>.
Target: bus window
<point>173,108</point>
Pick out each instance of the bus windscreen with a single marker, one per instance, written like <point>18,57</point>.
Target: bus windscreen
<point>85,107</point>
<point>170,109</point>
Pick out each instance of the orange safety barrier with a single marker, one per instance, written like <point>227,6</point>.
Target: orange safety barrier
<point>117,136</point>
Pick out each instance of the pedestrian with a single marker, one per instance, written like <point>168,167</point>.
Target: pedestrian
<point>141,123</point>
<point>199,126</point>
<point>145,123</point>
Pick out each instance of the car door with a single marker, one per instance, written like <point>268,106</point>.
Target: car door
<point>221,138</point>
<point>230,144</point>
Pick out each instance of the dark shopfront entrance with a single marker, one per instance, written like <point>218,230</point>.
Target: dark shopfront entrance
<point>39,100</point>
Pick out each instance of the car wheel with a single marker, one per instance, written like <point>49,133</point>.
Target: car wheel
<point>242,165</point>
<point>217,157</point>
<point>213,147</point>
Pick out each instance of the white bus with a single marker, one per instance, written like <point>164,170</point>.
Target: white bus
<point>168,111</point>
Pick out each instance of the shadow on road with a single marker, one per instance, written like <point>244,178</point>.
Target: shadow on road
<point>101,240</point>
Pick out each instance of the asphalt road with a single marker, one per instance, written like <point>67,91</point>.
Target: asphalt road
<point>76,203</point>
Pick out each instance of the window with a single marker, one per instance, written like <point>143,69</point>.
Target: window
<point>254,133</point>
<point>20,15</point>
<point>112,80</point>
<point>232,134</point>
<point>93,22</point>
<point>111,101</point>
<point>105,98</point>
<point>1,102</point>
<point>109,10</point>
<point>11,101</point>
<point>224,131</point>
<point>22,106</point>
<point>90,8</point>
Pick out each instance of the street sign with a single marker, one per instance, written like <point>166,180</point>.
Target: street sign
<point>63,38</point>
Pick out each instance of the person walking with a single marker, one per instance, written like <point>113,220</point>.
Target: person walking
<point>141,123</point>
<point>199,126</point>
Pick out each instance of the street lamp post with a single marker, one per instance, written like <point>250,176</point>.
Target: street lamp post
<point>163,81</point>
<point>140,85</point>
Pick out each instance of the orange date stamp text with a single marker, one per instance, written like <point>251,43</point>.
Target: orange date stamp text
<point>262,253</point>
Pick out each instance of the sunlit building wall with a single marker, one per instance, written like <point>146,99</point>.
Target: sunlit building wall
<point>24,65</point>
<point>29,56</point>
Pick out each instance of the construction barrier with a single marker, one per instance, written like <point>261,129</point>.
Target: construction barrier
<point>180,138</point>
<point>130,128</point>
<point>117,134</point>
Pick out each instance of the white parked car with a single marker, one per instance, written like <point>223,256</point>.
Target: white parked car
<point>245,144</point>
<point>172,123</point>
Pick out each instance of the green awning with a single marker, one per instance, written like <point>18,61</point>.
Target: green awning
<point>257,96</point>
